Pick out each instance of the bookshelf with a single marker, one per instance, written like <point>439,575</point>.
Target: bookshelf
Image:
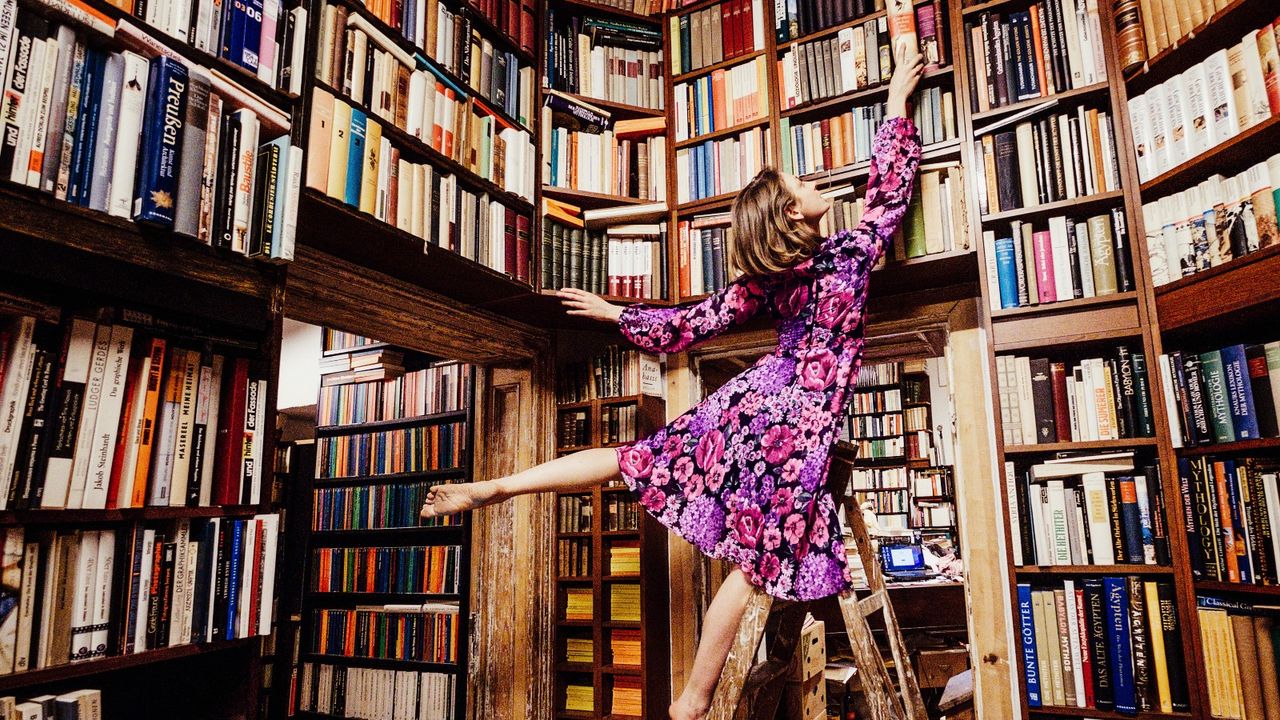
<point>365,558</point>
<point>606,543</point>
<point>79,254</point>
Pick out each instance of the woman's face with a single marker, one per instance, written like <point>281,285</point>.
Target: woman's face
<point>809,206</point>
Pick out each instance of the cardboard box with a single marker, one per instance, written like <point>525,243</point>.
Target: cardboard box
<point>811,652</point>
<point>935,667</point>
<point>807,700</point>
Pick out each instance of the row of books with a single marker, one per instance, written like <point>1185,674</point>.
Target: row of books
<point>725,98</point>
<point>621,512</point>
<point>870,426</point>
<point>718,167</point>
<point>574,513</point>
<point>432,27</point>
<point>380,363</point>
<point>388,452</point>
<point>1061,259</point>
<point>440,388</point>
<point>877,448</point>
<point>149,140</point>
<point>1109,643</point>
<point>932,514</point>
<point>605,58</point>
<point>402,569</point>
<point>724,31</point>
<point>1063,156</point>
<point>1231,505</point>
<point>1087,511</point>
<point>419,198</point>
<point>264,38</point>
<point>618,161</point>
<point>614,371</point>
<point>1209,103</point>
<point>354,55</point>
<point>617,424</point>
<point>623,260</point>
<point>1222,395</point>
<point>340,342</point>
<point>866,402</point>
<point>1166,23</point>
<point>426,633</point>
<point>703,265</point>
<point>573,559</point>
<point>1240,644</point>
<point>879,374</point>
<point>573,429</point>
<point>887,503</point>
<point>83,704</point>
<point>1214,222</point>
<point>80,595</point>
<point>798,19</point>
<point>879,478</point>
<point>846,139</point>
<point>350,146</point>
<point>357,692</point>
<point>109,414</point>
<point>934,222</point>
<point>1096,398</point>
<point>375,507</point>
<point>1051,47</point>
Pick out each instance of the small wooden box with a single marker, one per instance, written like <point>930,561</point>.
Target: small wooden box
<point>811,652</point>
<point>935,667</point>
<point>807,700</point>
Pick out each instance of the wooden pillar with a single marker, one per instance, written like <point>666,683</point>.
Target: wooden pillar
<point>682,558</point>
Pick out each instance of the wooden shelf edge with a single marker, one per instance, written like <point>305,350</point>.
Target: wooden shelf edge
<point>1074,206</point>
<point>329,430</point>
<point>1066,306</point>
<point>1240,150</point>
<point>59,673</point>
<point>1083,445</point>
<point>722,65</point>
<point>1015,107</point>
<point>1214,586</point>
<point>1122,569</point>
<point>722,133</point>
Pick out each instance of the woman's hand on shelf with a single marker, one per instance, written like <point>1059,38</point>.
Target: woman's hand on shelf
<point>588,305</point>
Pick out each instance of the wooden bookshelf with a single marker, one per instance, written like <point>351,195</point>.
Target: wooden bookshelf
<point>305,600</point>
<point>654,669</point>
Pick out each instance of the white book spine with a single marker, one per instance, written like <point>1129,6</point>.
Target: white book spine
<point>27,111</point>
<point>133,99</point>
<point>1223,114</point>
<point>17,378</point>
<point>1061,257</point>
<point>107,421</point>
<point>89,415</point>
<point>245,179</point>
<point>102,593</point>
<point>180,633</point>
<point>39,140</point>
<point>245,598</point>
<point>1098,510</point>
<point>26,607</point>
<point>1015,521</point>
<point>86,577</point>
<point>188,402</point>
<point>269,540</point>
<point>1058,522</point>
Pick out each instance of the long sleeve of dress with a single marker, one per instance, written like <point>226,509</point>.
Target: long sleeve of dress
<point>895,158</point>
<point>672,329</point>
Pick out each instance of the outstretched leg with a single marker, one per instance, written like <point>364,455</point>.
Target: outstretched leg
<point>719,629</point>
<point>582,470</point>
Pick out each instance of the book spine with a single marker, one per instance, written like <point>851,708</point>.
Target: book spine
<point>162,135</point>
<point>1118,643</point>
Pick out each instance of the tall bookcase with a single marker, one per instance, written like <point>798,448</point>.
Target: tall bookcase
<point>370,561</point>
<point>610,554</point>
<point>65,260</point>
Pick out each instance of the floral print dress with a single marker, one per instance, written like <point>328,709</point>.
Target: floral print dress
<point>742,475</point>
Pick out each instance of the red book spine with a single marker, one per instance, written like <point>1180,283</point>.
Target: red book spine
<point>1086,662</point>
<point>226,474</point>
<point>522,248</point>
<point>509,242</point>
<point>127,423</point>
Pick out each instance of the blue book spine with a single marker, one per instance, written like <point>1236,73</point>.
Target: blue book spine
<point>157,187</point>
<point>232,41</point>
<point>1007,272</point>
<point>233,583</point>
<point>251,30</point>
<point>1236,541</point>
<point>1030,665</point>
<point>355,157</point>
<point>92,124</point>
<point>1239,392</point>
<point>708,265</point>
<point>81,150</point>
<point>555,158</point>
<point>1130,519</point>
<point>104,149</point>
<point>1119,652</point>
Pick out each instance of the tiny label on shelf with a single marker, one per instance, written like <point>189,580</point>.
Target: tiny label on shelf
<point>650,376</point>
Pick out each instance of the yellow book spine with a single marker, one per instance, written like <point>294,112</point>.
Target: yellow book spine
<point>1157,647</point>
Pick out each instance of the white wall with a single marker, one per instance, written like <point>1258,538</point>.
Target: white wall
<point>299,365</point>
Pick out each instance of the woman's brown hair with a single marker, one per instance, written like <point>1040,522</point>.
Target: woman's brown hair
<point>765,240</point>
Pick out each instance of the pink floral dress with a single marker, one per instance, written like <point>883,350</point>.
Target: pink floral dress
<point>742,475</point>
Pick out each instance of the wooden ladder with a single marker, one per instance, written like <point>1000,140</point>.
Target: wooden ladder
<point>752,692</point>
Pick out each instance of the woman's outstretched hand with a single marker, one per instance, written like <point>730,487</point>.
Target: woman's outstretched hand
<point>910,65</point>
<point>589,305</point>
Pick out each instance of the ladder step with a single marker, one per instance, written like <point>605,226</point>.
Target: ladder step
<point>872,603</point>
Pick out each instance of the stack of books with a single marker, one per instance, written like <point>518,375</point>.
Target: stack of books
<point>624,558</point>
<point>624,602</point>
<point>578,604</point>
<point>579,698</point>
<point>579,650</point>
<point>624,647</point>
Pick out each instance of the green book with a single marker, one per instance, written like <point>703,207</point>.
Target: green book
<point>913,229</point>
<point>787,139</point>
<point>1215,385</point>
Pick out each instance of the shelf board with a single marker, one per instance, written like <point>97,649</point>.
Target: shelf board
<point>324,430</point>
<point>712,204</point>
<point>574,667</point>
<point>1074,338</point>
<point>615,108</point>
<point>389,536</point>
<point>843,175</point>
<point>1237,295</point>
<point>1016,107</point>
<point>1213,586</point>
<point>621,670</point>
<point>1065,306</point>
<point>722,133</point>
<point>575,580</point>
<point>620,533</point>
<point>390,477</point>
<point>1122,569</point>
<point>1220,30</point>
<point>588,199</point>
<point>84,517</point>
<point>574,534</point>
<point>1231,448</point>
<point>845,100</point>
<point>708,69</point>
<point>383,663</point>
<point>1241,151</point>
<point>1061,711</point>
<point>1082,445</point>
<point>69,671</point>
<point>315,598</point>
<point>982,7</point>
<point>1080,206</point>
<point>589,6</point>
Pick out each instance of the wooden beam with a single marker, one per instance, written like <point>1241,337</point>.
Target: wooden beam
<point>330,292</point>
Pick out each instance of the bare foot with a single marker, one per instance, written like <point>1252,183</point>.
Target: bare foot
<point>450,499</point>
<point>686,709</point>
